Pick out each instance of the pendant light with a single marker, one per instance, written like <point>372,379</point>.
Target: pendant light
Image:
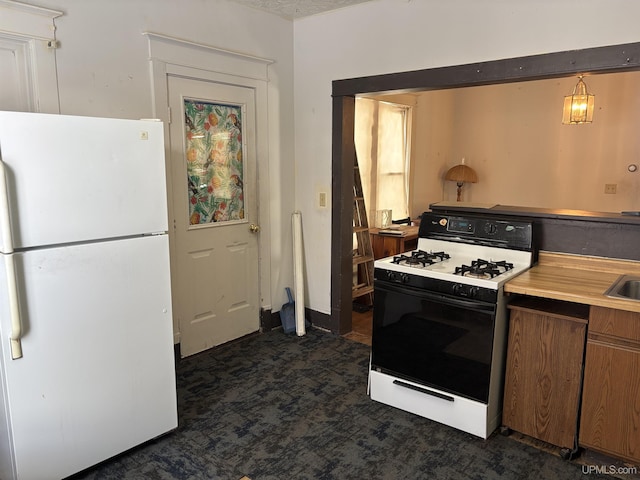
<point>578,107</point>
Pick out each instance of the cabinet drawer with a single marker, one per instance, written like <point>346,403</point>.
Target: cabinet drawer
<point>615,323</point>
<point>557,309</point>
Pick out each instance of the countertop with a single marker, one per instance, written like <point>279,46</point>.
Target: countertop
<point>575,278</point>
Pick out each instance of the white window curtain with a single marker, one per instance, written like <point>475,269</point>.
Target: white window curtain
<point>383,149</point>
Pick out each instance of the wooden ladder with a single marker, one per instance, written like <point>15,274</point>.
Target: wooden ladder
<point>363,254</point>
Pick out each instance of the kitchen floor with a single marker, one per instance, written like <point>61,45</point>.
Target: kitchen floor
<point>276,406</point>
<point>361,327</point>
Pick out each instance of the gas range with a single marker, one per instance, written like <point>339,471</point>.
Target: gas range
<point>440,319</point>
<point>470,251</point>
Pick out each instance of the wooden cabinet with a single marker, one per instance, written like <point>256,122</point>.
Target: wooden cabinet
<point>544,369</point>
<point>610,419</point>
<point>388,245</point>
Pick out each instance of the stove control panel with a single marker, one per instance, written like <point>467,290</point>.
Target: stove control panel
<point>435,285</point>
<point>479,230</point>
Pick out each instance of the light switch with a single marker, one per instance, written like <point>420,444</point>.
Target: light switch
<point>322,200</point>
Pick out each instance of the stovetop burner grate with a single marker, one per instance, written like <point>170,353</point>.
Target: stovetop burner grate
<point>484,268</point>
<point>420,257</point>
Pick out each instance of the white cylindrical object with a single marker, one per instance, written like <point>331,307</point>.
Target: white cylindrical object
<point>298,274</point>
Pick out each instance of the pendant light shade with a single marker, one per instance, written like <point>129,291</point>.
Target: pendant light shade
<point>578,107</point>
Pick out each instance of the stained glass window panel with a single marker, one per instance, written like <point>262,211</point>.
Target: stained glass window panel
<point>214,154</point>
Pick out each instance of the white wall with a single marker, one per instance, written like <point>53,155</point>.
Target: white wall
<point>386,36</point>
<point>103,70</point>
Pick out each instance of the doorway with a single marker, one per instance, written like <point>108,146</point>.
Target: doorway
<point>207,77</point>
<point>562,64</point>
<point>27,58</point>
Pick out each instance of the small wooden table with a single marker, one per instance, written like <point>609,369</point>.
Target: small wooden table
<point>388,245</point>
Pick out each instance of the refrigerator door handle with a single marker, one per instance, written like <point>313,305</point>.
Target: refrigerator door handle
<point>5,219</point>
<point>12,284</point>
<point>14,309</point>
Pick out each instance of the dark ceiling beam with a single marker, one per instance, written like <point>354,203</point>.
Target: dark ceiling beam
<point>536,67</point>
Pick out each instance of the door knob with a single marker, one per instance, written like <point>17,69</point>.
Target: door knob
<point>253,228</point>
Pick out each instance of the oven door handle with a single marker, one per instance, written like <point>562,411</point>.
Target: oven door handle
<point>426,391</point>
<point>468,304</point>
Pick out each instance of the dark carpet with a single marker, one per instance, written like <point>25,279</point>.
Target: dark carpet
<point>276,406</point>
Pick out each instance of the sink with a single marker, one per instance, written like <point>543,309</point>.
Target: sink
<point>627,286</point>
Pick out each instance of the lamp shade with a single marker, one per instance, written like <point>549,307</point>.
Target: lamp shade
<point>461,174</point>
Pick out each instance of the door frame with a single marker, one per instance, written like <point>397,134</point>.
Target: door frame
<point>608,59</point>
<point>31,30</point>
<point>169,56</point>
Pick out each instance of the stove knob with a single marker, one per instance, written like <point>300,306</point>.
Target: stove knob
<point>490,228</point>
<point>398,277</point>
<point>395,277</point>
<point>464,290</point>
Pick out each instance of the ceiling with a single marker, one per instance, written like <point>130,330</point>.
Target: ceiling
<point>292,9</point>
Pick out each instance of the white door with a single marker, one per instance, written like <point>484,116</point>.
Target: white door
<point>215,237</point>
<point>13,94</point>
<point>29,81</point>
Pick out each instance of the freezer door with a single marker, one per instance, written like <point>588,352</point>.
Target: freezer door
<point>73,179</point>
<point>98,375</point>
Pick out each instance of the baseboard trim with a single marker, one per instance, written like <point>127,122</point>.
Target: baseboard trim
<point>319,319</point>
<point>271,320</point>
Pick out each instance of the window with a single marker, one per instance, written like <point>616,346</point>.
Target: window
<point>382,138</point>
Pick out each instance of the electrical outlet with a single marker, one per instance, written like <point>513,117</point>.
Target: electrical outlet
<point>610,187</point>
<point>322,200</point>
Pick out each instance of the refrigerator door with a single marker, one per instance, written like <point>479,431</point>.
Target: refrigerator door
<point>98,376</point>
<point>73,179</point>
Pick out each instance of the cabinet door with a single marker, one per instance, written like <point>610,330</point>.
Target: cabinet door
<point>386,245</point>
<point>543,374</point>
<point>610,420</point>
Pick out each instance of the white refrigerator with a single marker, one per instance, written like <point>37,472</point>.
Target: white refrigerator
<point>87,365</point>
